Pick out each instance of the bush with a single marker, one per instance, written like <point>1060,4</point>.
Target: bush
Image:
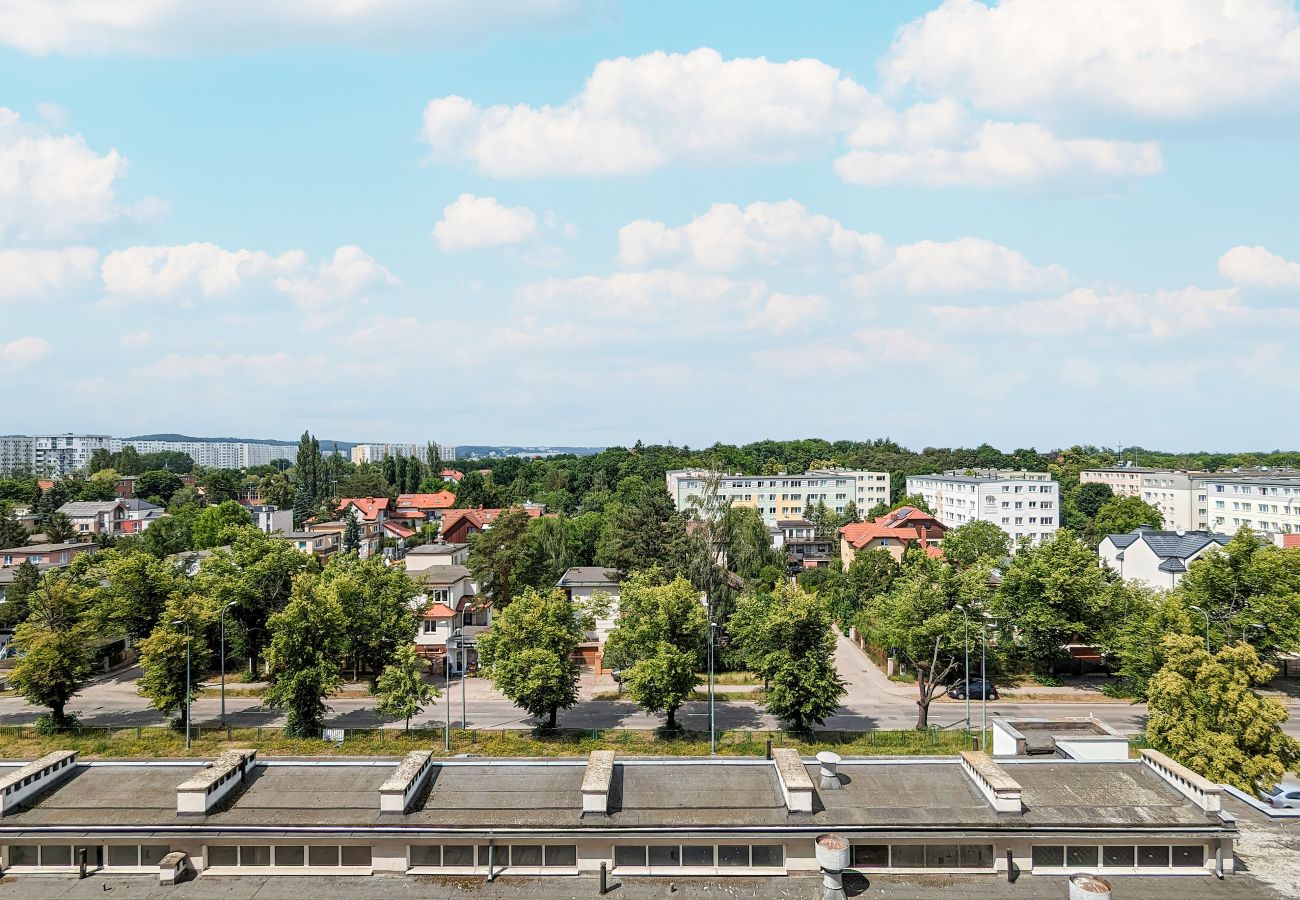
<point>52,724</point>
<point>1048,680</point>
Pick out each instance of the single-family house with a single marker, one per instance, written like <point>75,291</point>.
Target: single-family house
<point>893,533</point>
<point>43,555</point>
<point>582,584</point>
<point>426,555</point>
<point>270,519</point>
<point>414,510</point>
<point>369,509</point>
<point>370,534</point>
<point>455,615</point>
<point>798,539</point>
<point>320,544</point>
<point>459,524</point>
<point>451,475</point>
<point>1157,558</point>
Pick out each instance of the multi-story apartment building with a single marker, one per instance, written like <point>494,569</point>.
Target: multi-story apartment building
<point>778,497</point>
<point>217,454</point>
<point>1180,497</point>
<point>15,452</point>
<point>1258,501</point>
<point>63,454</point>
<point>369,453</point>
<point>1026,505</point>
<point>1124,481</point>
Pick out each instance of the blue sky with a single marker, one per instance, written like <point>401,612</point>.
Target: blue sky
<point>590,221</point>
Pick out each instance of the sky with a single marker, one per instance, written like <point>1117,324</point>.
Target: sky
<point>588,222</point>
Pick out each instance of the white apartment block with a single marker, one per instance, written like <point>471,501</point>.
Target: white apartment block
<point>1026,505</point>
<point>15,452</point>
<point>218,454</point>
<point>785,496</point>
<point>1123,481</point>
<point>1259,502</point>
<point>62,454</point>
<point>371,453</point>
<point>1180,497</point>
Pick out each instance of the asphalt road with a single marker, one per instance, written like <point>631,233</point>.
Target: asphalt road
<point>871,702</point>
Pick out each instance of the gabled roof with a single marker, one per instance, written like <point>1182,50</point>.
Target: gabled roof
<point>452,474</point>
<point>368,508</point>
<point>1172,564</point>
<point>1177,545</point>
<point>82,508</point>
<point>397,530</point>
<point>1120,541</point>
<point>441,574</point>
<point>905,523</point>
<point>436,549</point>
<point>440,500</point>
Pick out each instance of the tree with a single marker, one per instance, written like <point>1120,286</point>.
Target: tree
<point>351,531</point>
<point>307,468</point>
<point>787,639</point>
<point>658,641</point>
<point>433,457</point>
<point>213,524</point>
<point>58,529</point>
<point>158,484</point>
<point>57,644</point>
<point>170,534</point>
<point>220,485</point>
<point>132,591</point>
<point>401,687</point>
<point>376,601</point>
<point>528,652</point>
<point>12,532</point>
<point>176,656</point>
<point>1090,497</point>
<point>634,536</point>
<point>493,554</point>
<point>277,490</point>
<point>974,541</point>
<point>1135,641</point>
<point>1204,712</point>
<point>301,507</point>
<point>25,580</point>
<point>1120,515</point>
<point>306,643</point>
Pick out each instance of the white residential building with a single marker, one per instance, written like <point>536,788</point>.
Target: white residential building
<point>271,519</point>
<point>1123,481</point>
<point>15,452</point>
<point>370,453</point>
<point>1180,497</point>
<point>778,497</point>
<point>1026,505</point>
<point>217,454</point>
<point>1268,503</point>
<point>454,617</point>
<point>56,455</point>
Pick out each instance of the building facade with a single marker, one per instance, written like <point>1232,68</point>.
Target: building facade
<point>218,454</point>
<point>1156,558</point>
<point>15,452</point>
<point>1123,481</point>
<point>778,497</point>
<point>1260,502</point>
<point>1026,505</point>
<point>374,452</point>
<point>56,455</point>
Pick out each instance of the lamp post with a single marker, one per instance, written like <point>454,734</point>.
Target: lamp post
<point>713,737</point>
<point>223,662</point>
<point>1207,625</point>
<point>188,644</point>
<point>1258,626</point>
<point>454,636</point>
<point>965,643</point>
<point>984,685</point>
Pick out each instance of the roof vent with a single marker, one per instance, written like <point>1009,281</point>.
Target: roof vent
<point>1181,532</point>
<point>829,777</point>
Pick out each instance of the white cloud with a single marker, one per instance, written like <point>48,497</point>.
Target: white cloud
<point>786,312</point>
<point>657,298</point>
<point>473,223</point>
<point>184,272</point>
<point>962,266</point>
<point>166,27</point>
<point>256,368</point>
<point>24,351</point>
<point>1259,267</point>
<point>727,238</point>
<point>135,339</point>
<point>55,186</point>
<point>636,114</point>
<point>1168,59</point>
<point>1160,314</point>
<point>40,274</point>
<point>899,345</point>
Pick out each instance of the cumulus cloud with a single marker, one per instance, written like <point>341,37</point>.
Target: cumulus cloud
<point>659,297</point>
<point>40,274</point>
<point>54,186</point>
<point>1159,314</point>
<point>255,368</point>
<point>166,27</point>
<point>966,265</point>
<point>900,345</point>
<point>788,312</point>
<point>204,271</point>
<point>24,351</point>
<point>727,238</point>
<point>474,223</point>
<point>1259,267</point>
<point>136,339</point>
<point>1167,59</point>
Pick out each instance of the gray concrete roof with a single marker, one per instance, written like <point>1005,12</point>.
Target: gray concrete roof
<point>436,549</point>
<point>590,575</point>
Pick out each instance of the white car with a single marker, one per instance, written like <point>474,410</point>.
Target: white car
<point>1285,795</point>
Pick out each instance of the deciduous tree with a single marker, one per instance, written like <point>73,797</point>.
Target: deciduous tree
<point>401,688</point>
<point>974,541</point>
<point>494,553</point>
<point>528,652</point>
<point>177,655</point>
<point>57,644</point>
<point>212,527</point>
<point>306,645</point>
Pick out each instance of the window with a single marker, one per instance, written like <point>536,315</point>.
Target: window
<point>458,855</point>
<point>697,855</point>
<point>665,856</point>
<point>223,856</point>
<point>1117,857</point>
<point>323,856</point>
<point>1081,857</point>
<point>871,856</point>
<point>356,855</point>
<point>122,856</point>
<point>290,855</point>
<point>426,855</point>
<point>23,855</point>
<point>1048,857</point>
<point>565,855</point>
<point>733,856</point>
<point>1153,857</point>
<point>525,855</point>
<point>907,856</point>
<point>252,855</point>
<point>1188,857</point>
<point>629,856</point>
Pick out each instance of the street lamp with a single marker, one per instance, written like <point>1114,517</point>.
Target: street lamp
<point>965,643</point>
<point>188,644</point>
<point>713,738</point>
<point>1258,626</point>
<point>223,662</point>
<point>454,636</point>
<point>1207,625</point>
<point>984,685</point>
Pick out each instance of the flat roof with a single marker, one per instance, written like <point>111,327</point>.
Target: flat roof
<point>436,549</point>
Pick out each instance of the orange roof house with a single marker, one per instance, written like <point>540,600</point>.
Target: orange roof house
<point>369,509</point>
<point>426,502</point>
<point>892,533</point>
<point>450,475</point>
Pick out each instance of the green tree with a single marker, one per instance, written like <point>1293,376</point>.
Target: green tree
<point>57,644</point>
<point>376,600</point>
<point>635,535</point>
<point>213,525</point>
<point>494,553</point>
<point>1135,641</point>
<point>170,534</point>
<point>974,541</point>
<point>401,688</point>
<point>158,484</point>
<point>351,531</point>
<point>306,644</point>
<point>25,580</point>
<point>131,591</point>
<point>58,529</point>
<point>1204,712</point>
<point>220,485</point>
<point>302,507</point>
<point>1120,515</point>
<point>12,533</point>
<point>659,641</point>
<point>177,655</point>
<point>789,642</point>
<point>277,490</point>
<point>308,467</point>
<point>1090,497</point>
<point>528,652</point>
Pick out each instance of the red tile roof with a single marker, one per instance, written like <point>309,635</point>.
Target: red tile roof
<point>400,531</point>
<point>440,611</point>
<point>440,500</point>
<point>452,474</point>
<point>369,508</point>
<point>905,523</point>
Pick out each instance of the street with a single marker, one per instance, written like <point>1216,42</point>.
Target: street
<point>871,702</point>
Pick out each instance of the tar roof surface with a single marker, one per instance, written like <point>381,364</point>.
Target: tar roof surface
<point>926,794</point>
<point>695,795</point>
<point>501,795</point>
<point>301,795</point>
<point>1113,794</point>
<point>109,794</point>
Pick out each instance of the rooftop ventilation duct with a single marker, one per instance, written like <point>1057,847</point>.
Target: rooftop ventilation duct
<point>829,776</point>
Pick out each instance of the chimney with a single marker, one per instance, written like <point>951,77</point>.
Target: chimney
<point>396,794</point>
<point>829,779</point>
<point>35,778</point>
<point>202,791</point>
<point>596,781</point>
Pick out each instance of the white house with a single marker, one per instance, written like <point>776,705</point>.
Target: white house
<point>581,584</point>
<point>1157,558</point>
<point>455,617</point>
<point>428,555</point>
<point>271,519</point>
<point>1026,505</point>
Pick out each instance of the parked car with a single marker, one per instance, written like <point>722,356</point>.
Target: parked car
<point>1285,795</point>
<point>980,689</point>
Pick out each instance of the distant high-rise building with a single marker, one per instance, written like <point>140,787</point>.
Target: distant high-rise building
<point>63,454</point>
<point>1026,505</point>
<point>781,497</point>
<point>374,452</point>
<point>219,454</point>
<point>15,452</point>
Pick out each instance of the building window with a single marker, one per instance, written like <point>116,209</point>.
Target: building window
<point>706,856</point>
<point>923,856</point>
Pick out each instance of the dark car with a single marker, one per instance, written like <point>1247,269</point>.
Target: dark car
<point>980,689</point>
